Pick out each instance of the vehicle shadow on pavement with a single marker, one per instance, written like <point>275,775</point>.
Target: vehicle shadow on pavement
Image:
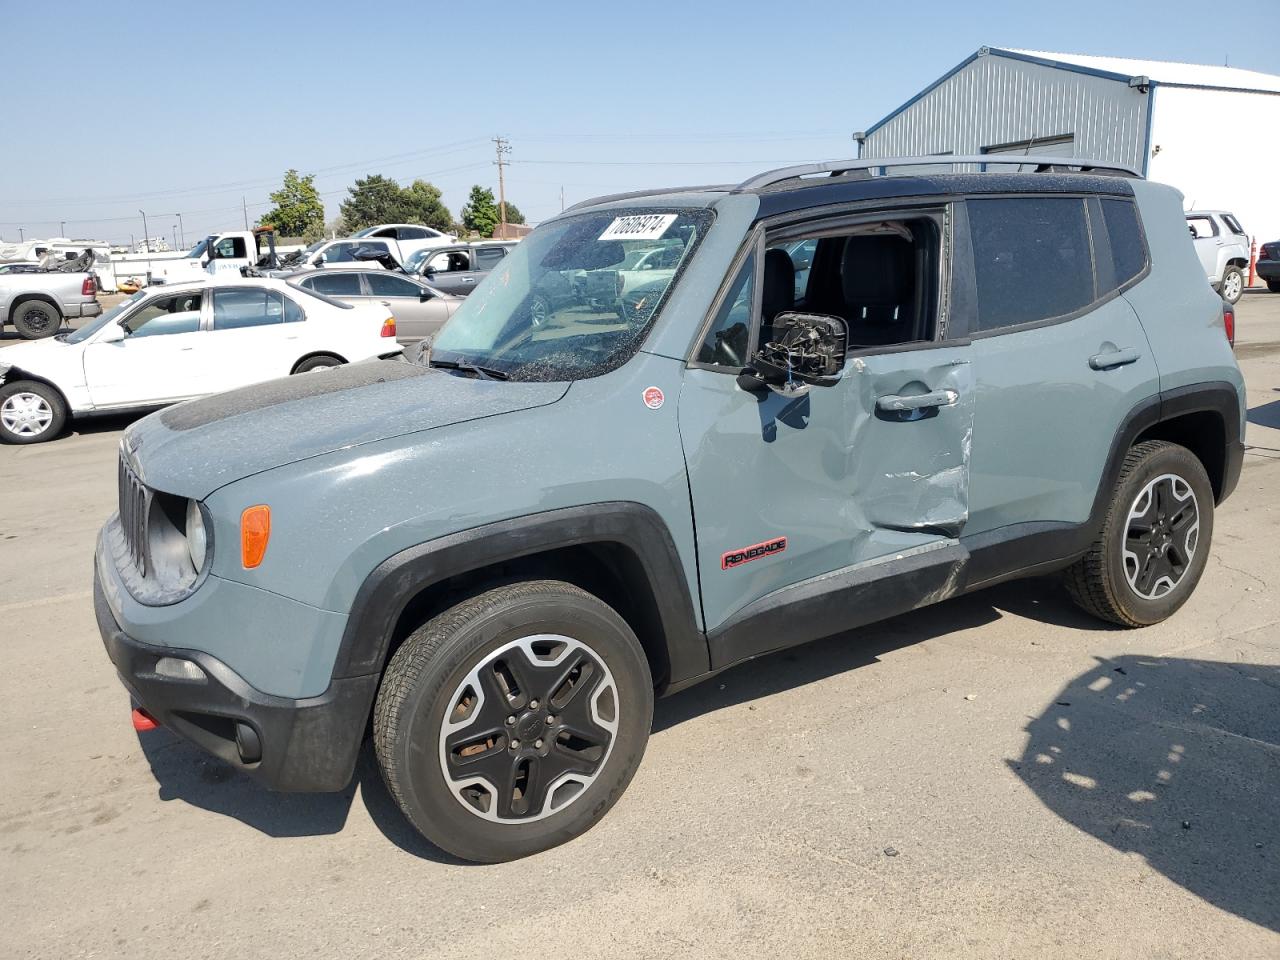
<point>1042,599</point>
<point>185,772</point>
<point>1266,415</point>
<point>1177,761</point>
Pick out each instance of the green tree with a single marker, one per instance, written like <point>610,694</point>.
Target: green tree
<point>513,213</point>
<point>378,199</point>
<point>298,211</point>
<point>480,214</point>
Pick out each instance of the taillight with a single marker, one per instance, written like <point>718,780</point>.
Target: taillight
<point>389,327</point>
<point>88,288</point>
<point>1229,322</point>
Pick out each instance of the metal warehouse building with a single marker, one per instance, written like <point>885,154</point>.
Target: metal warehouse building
<point>1212,132</point>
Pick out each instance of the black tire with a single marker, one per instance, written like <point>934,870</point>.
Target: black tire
<point>322,362</point>
<point>37,319</point>
<point>1232,286</point>
<point>435,674</point>
<point>1273,286</point>
<point>1134,577</point>
<point>30,412</point>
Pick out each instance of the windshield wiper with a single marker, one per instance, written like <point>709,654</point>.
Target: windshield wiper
<point>484,373</point>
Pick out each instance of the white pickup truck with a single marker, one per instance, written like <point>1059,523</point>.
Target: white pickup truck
<point>37,303</point>
<point>218,253</point>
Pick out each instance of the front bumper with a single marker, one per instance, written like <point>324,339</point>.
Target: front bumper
<point>308,744</point>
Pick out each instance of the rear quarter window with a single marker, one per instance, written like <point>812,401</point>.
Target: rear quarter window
<point>1128,245</point>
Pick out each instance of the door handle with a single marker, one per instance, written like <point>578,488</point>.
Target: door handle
<point>895,404</point>
<point>1116,358</point>
<point>467,279</point>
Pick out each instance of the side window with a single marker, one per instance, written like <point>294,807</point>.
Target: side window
<point>488,257</point>
<point>1128,249</point>
<point>388,285</point>
<point>802,259</point>
<point>229,247</point>
<point>1031,259</point>
<point>1233,224</point>
<point>411,233</point>
<point>341,253</point>
<point>730,332</point>
<point>1202,227</point>
<point>176,314</point>
<point>292,312</point>
<point>246,307</point>
<point>335,284</point>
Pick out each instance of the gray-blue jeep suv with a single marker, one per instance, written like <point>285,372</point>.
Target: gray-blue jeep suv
<point>491,559</point>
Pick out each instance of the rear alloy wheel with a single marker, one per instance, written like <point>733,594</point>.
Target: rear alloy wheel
<point>1232,284</point>
<point>30,412</point>
<point>1154,542</point>
<point>36,319</point>
<point>513,721</point>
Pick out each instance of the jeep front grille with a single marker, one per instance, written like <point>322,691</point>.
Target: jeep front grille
<point>135,501</point>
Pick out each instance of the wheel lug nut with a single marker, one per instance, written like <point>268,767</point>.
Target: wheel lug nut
<point>515,744</point>
<point>550,719</point>
<point>538,744</point>
<point>533,704</point>
<point>510,720</point>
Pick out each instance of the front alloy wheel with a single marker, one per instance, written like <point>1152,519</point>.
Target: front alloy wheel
<point>530,729</point>
<point>513,720</point>
<point>25,415</point>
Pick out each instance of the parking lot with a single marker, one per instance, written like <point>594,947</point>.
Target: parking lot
<point>997,774</point>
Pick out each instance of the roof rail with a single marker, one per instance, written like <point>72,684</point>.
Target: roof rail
<point>639,194</point>
<point>838,167</point>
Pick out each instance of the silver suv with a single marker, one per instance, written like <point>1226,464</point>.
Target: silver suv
<point>1223,249</point>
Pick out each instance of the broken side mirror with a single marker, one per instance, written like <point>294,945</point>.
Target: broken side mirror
<point>802,348</point>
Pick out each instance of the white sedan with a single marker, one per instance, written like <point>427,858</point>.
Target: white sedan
<point>180,341</point>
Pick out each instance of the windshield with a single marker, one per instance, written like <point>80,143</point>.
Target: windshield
<point>416,259</point>
<point>200,249</point>
<point>557,307</point>
<point>89,329</point>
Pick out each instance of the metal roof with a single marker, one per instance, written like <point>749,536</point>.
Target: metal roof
<point>1161,71</point>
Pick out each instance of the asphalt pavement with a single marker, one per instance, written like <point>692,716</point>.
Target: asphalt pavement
<point>998,775</point>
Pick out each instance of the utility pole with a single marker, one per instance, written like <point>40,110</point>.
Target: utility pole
<point>245,207</point>
<point>63,225</point>
<point>562,199</point>
<point>181,234</point>
<point>21,236</point>
<point>174,230</point>
<point>146,241</point>
<point>503,147</point>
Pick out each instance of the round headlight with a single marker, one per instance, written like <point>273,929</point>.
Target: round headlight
<point>197,536</point>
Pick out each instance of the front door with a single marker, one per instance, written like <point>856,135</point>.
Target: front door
<point>1208,241</point>
<point>791,487</point>
<point>159,360</point>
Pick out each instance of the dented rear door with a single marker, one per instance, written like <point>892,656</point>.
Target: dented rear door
<point>790,488</point>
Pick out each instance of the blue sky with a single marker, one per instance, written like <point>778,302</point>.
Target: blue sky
<point>184,107</point>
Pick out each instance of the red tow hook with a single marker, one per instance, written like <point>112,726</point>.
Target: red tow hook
<point>143,721</point>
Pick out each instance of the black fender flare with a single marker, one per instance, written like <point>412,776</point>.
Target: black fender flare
<point>389,588</point>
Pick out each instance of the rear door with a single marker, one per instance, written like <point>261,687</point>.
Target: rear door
<point>1059,356</point>
<point>255,334</point>
<point>791,486</point>
<point>416,317</point>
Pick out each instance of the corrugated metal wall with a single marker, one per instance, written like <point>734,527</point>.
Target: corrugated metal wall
<point>996,100</point>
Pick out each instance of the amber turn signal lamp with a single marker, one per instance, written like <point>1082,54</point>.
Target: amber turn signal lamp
<point>389,327</point>
<point>255,531</point>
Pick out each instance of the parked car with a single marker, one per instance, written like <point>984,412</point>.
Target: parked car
<point>457,269</point>
<point>1223,249</point>
<point>36,303</point>
<point>496,558</point>
<point>409,237</point>
<point>225,253</point>
<point>419,310</point>
<point>171,343</point>
<point>1268,265</point>
<point>328,254</point>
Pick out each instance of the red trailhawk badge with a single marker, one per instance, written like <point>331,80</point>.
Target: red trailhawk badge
<point>736,558</point>
<point>653,398</point>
